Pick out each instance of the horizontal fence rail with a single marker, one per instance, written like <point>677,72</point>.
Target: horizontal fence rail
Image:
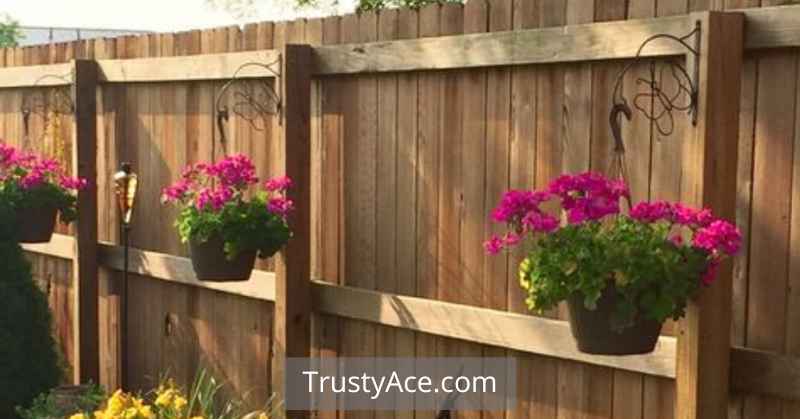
<point>752,371</point>
<point>596,41</point>
<point>191,68</point>
<point>772,27</point>
<point>37,75</point>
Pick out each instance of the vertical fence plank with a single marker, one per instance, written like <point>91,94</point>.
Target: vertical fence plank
<point>85,271</point>
<point>292,332</point>
<point>327,327</point>
<point>428,139</point>
<point>744,184</point>
<point>406,215</point>
<point>710,159</point>
<point>386,199</point>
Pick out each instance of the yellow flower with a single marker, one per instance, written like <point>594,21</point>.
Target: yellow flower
<point>116,404</point>
<point>198,417</point>
<point>164,398</point>
<point>179,402</point>
<point>146,413</point>
<point>78,416</point>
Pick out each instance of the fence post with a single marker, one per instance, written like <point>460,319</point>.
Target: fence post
<point>84,266</point>
<point>709,180</point>
<point>292,331</point>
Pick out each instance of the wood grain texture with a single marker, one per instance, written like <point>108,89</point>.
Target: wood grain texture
<point>292,330</point>
<point>710,161</point>
<point>536,46</point>
<point>56,74</point>
<point>197,67</point>
<point>457,321</point>
<point>84,164</point>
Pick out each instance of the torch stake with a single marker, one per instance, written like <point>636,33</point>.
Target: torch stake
<point>126,230</point>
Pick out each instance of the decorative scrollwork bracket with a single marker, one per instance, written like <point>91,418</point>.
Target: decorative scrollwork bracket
<point>55,102</point>
<point>255,98</point>
<point>668,87</point>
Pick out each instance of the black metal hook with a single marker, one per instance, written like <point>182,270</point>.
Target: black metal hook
<point>614,121</point>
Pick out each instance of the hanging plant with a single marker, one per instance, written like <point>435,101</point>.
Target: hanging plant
<point>37,189</point>
<point>622,275</point>
<point>225,229</point>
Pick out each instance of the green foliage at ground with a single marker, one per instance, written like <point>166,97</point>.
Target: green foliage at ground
<point>29,361</point>
<point>50,405</point>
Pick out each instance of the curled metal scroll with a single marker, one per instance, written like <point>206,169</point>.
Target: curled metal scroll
<point>667,88</point>
<point>254,99</point>
<point>55,102</point>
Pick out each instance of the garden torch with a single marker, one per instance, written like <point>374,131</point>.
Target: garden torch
<point>126,183</point>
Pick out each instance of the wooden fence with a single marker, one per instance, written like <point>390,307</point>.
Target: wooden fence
<point>414,132</point>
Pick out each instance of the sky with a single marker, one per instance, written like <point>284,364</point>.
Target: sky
<point>153,15</point>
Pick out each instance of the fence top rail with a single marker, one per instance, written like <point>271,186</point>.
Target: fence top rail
<point>265,64</point>
<point>37,75</point>
<point>587,42</point>
<point>770,27</point>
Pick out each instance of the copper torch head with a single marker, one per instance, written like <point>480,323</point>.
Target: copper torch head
<point>126,185</point>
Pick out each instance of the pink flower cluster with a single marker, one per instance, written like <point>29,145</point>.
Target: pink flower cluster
<point>236,171</point>
<point>31,171</point>
<point>676,213</point>
<point>584,197</point>
<point>209,187</point>
<point>588,196</point>
<point>710,233</point>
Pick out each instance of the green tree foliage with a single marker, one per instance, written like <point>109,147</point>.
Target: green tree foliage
<point>10,33</point>
<point>29,361</point>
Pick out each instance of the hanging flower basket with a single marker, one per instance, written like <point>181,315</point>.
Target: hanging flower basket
<point>621,275</point>
<point>210,262</point>
<point>225,229</point>
<point>37,224</point>
<point>33,190</point>
<point>595,333</point>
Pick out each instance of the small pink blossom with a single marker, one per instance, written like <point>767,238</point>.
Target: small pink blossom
<point>177,191</point>
<point>516,204</point>
<point>540,222</point>
<point>213,198</point>
<point>278,184</point>
<point>280,206</point>
<point>588,196</point>
<point>721,236</point>
<point>233,171</point>
<point>511,239</point>
<point>650,212</point>
<point>710,274</point>
<point>494,245</point>
<point>74,183</point>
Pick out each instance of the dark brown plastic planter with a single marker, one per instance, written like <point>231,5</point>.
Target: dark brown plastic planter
<point>594,334</point>
<point>210,264</point>
<point>36,225</point>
